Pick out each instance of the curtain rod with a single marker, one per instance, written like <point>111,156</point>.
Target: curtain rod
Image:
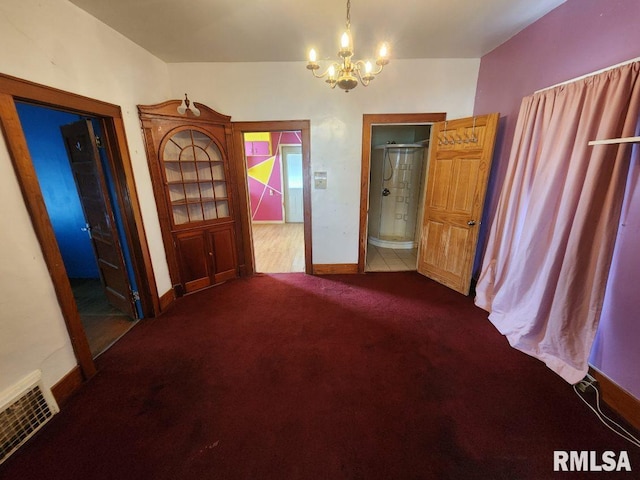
<point>589,74</point>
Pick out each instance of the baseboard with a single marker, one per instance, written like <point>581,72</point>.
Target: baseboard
<point>167,299</point>
<point>334,268</point>
<point>618,399</point>
<point>67,386</point>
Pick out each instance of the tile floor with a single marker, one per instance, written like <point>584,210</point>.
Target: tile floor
<point>390,259</point>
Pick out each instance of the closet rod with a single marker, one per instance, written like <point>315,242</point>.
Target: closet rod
<point>589,74</point>
<point>615,141</point>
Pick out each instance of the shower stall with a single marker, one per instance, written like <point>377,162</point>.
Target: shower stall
<point>395,192</point>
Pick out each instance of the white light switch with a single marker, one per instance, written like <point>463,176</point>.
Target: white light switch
<point>320,180</point>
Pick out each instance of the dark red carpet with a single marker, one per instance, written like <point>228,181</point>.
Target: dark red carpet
<point>376,376</point>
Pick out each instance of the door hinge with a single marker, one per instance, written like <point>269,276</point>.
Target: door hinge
<point>135,295</point>
<point>98,142</point>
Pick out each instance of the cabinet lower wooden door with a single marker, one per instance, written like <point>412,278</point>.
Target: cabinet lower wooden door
<point>193,258</point>
<point>222,243</point>
<point>206,257</point>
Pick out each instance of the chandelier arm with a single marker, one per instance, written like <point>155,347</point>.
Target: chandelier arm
<point>337,67</point>
<point>378,70</point>
<point>362,66</point>
<point>363,80</point>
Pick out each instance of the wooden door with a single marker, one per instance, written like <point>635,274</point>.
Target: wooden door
<point>459,164</point>
<point>222,245</point>
<point>193,257</point>
<point>84,157</point>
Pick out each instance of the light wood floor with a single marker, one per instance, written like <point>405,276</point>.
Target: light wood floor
<point>278,247</point>
<point>103,324</point>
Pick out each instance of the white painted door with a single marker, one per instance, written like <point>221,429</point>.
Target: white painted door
<point>292,166</point>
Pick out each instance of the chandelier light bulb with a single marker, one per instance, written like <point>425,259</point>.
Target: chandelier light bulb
<point>384,51</point>
<point>344,41</point>
<point>313,56</point>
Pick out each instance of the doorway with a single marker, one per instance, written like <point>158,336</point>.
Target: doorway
<point>274,162</point>
<point>458,166</point>
<point>394,159</point>
<point>109,116</point>
<point>98,266</point>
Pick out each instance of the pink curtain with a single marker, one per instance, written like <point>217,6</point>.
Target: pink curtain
<point>550,245</point>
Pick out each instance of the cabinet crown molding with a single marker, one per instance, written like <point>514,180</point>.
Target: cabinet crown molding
<point>169,109</point>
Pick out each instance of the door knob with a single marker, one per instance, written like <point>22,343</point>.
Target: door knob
<point>86,228</point>
<point>471,223</point>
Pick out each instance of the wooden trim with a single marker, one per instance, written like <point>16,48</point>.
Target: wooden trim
<point>233,186</point>
<point>621,401</point>
<point>167,299</point>
<point>67,386</point>
<point>124,184</point>
<point>306,194</point>
<point>162,208</point>
<point>239,128</point>
<point>335,268</point>
<point>368,120</point>
<point>48,96</point>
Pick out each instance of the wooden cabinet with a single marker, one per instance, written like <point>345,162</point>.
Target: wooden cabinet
<point>194,188</point>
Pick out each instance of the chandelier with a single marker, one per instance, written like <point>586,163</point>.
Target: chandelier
<point>347,74</point>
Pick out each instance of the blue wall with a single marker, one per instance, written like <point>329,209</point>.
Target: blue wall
<point>42,130</point>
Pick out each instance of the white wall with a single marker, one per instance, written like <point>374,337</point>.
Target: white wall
<point>287,91</point>
<point>54,43</point>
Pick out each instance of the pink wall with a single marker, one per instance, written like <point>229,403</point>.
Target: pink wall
<point>266,198</point>
<point>578,37</point>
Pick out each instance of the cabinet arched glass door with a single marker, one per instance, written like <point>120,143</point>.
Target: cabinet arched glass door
<point>195,175</point>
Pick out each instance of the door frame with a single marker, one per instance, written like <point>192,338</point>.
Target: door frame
<point>13,89</point>
<point>368,121</point>
<point>239,129</point>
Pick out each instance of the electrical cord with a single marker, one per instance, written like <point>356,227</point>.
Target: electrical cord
<point>629,437</point>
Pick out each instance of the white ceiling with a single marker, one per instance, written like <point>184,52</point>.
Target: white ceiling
<point>284,30</point>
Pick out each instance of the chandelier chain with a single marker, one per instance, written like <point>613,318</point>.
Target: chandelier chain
<point>348,14</point>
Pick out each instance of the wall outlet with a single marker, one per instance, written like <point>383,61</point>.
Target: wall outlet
<point>588,381</point>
